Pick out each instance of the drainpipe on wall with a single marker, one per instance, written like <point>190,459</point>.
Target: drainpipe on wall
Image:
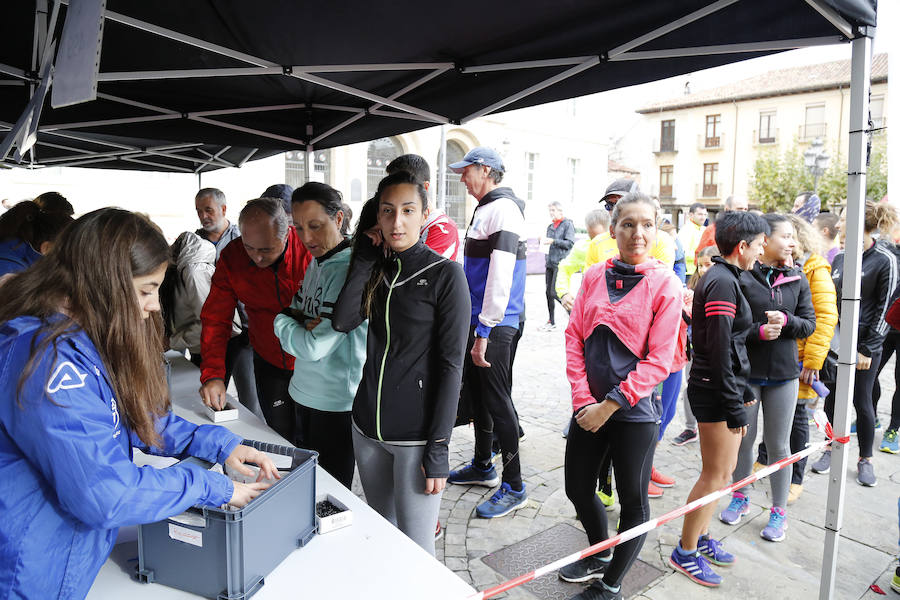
<point>734,146</point>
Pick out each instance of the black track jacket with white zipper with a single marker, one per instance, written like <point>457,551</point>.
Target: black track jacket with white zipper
<point>418,328</point>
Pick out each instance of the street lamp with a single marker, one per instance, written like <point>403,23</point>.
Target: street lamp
<point>816,159</point>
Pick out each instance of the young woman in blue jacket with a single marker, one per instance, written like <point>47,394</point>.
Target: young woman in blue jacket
<point>329,363</point>
<point>81,386</point>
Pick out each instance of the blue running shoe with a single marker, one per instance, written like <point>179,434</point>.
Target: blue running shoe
<point>473,475</point>
<point>737,508</point>
<point>889,442</point>
<point>696,567</point>
<point>714,552</point>
<point>503,502</point>
<point>774,531</point>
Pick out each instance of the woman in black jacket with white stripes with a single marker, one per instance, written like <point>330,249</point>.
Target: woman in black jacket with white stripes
<point>878,282</point>
<point>418,307</point>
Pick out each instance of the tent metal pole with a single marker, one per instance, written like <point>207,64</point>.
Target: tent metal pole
<point>85,161</point>
<point>15,72</point>
<point>860,72</point>
<point>310,156</point>
<point>592,62</point>
<point>157,165</point>
<point>337,108</point>
<point>263,71</point>
<point>399,115</point>
<point>728,48</point>
<point>215,157</point>
<point>106,122</point>
<point>526,64</point>
<point>340,87</point>
<point>189,159</point>
<point>419,82</point>
<point>676,24</point>
<point>442,171</point>
<point>247,157</point>
<point>833,17</point>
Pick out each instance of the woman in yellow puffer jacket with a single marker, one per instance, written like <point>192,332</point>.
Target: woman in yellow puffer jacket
<point>814,349</point>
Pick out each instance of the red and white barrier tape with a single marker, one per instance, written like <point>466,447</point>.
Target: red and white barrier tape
<point>821,423</point>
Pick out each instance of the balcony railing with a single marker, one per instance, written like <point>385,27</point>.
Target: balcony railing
<point>811,131</point>
<point>706,191</point>
<point>764,138</point>
<point>711,143</point>
<point>667,145</point>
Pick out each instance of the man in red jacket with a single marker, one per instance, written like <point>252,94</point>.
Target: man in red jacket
<point>264,272</point>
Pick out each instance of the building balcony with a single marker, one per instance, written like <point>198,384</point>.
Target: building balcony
<point>766,138</point>
<point>811,131</point>
<point>711,143</point>
<point>705,191</point>
<point>667,146</point>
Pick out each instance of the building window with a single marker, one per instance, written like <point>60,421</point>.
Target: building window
<point>295,167</point>
<point>767,127</point>
<point>666,173</point>
<point>876,111</point>
<point>530,166</point>
<point>572,177</point>
<point>711,180</point>
<point>814,125</point>
<point>667,136</point>
<point>455,196</point>
<point>713,126</point>
<point>381,152</point>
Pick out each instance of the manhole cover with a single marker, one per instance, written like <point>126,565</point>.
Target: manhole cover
<point>552,544</point>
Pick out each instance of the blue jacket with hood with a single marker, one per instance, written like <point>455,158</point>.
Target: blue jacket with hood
<point>67,480</point>
<point>16,255</point>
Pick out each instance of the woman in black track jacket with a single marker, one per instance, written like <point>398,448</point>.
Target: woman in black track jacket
<point>418,307</point>
<point>877,284</point>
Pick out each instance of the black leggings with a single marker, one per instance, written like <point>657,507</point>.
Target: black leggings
<point>551,292</point>
<point>891,345</point>
<point>329,434</point>
<point>862,401</point>
<point>489,389</point>
<point>631,446</point>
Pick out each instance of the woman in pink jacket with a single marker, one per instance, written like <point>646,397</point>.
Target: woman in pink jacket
<point>620,345</point>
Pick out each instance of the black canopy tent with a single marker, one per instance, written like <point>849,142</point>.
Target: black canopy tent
<point>193,86</point>
<point>247,80</point>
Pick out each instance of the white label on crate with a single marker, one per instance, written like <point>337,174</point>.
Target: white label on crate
<point>183,534</point>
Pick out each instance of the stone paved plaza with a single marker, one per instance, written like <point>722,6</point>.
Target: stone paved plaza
<point>763,570</point>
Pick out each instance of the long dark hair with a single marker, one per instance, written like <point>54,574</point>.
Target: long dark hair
<point>28,222</point>
<point>97,296</point>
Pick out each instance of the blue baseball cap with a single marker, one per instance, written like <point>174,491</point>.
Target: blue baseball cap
<point>482,155</point>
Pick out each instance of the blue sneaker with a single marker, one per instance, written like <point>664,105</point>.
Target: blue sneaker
<point>714,552</point>
<point>889,442</point>
<point>503,502</point>
<point>696,567</point>
<point>774,531</point>
<point>473,475</point>
<point>737,508</point>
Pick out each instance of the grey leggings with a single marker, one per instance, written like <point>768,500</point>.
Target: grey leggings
<point>778,405</point>
<point>394,484</point>
<point>690,421</point>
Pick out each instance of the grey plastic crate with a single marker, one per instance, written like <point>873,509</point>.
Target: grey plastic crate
<point>227,554</point>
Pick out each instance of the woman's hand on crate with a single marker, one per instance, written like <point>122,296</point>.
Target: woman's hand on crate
<point>244,454</point>
<point>245,492</point>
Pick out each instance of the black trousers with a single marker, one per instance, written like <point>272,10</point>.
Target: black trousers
<point>862,402</point>
<point>631,447</point>
<point>329,434</point>
<point>891,345</point>
<point>489,389</point>
<point>274,400</point>
<point>550,281</point>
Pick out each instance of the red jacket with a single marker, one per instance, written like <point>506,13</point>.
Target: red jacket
<point>264,292</point>
<point>621,338</point>
<point>440,234</point>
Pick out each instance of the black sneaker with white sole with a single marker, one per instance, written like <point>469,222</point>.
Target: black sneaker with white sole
<point>590,567</point>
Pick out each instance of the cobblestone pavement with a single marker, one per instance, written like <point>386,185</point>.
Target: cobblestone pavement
<point>764,570</point>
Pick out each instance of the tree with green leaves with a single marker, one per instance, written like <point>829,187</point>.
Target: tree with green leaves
<point>779,178</point>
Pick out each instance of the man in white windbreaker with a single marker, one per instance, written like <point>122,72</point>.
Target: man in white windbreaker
<point>494,263</point>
